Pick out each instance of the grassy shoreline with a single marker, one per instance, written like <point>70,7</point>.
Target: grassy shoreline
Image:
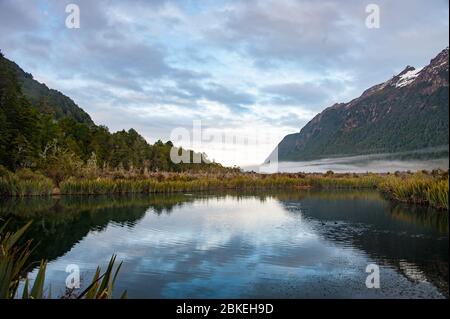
<point>423,188</point>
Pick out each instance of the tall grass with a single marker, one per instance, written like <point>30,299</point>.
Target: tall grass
<point>13,258</point>
<point>345,181</point>
<point>418,189</point>
<point>24,183</point>
<point>205,183</point>
<point>14,263</point>
<point>122,186</point>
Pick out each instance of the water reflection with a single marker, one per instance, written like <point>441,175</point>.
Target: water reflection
<point>302,244</point>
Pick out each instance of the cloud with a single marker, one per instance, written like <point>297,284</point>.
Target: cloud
<point>217,93</point>
<point>310,95</point>
<point>273,31</point>
<point>18,16</point>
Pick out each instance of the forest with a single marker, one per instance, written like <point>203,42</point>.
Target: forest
<point>45,131</point>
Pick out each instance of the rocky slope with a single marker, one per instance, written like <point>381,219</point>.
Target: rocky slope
<point>406,113</point>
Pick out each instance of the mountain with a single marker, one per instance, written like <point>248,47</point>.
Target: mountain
<point>47,100</point>
<point>43,129</point>
<point>406,113</point>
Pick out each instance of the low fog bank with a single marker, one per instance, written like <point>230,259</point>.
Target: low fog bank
<point>378,163</point>
<point>372,166</point>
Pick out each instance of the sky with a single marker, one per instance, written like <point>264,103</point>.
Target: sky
<point>229,78</point>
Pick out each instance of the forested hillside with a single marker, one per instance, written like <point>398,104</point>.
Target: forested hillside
<point>47,100</point>
<point>406,113</point>
<point>45,130</point>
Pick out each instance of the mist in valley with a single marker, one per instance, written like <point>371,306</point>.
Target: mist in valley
<point>425,159</point>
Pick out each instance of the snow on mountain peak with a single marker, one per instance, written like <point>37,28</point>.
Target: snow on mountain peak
<point>408,77</point>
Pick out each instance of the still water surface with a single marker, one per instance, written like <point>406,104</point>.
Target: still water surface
<point>312,244</point>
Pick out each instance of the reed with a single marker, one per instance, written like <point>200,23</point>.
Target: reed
<point>417,188</point>
<point>24,183</point>
<point>437,194</point>
<point>345,181</point>
<point>14,262</point>
<point>123,186</point>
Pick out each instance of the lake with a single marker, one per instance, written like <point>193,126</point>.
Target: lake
<point>304,244</point>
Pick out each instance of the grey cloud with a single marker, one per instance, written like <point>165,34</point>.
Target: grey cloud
<point>297,93</point>
<point>102,49</point>
<point>271,31</point>
<point>18,15</point>
<point>307,94</point>
<point>216,92</point>
<point>331,35</point>
<point>290,120</point>
<point>37,46</point>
